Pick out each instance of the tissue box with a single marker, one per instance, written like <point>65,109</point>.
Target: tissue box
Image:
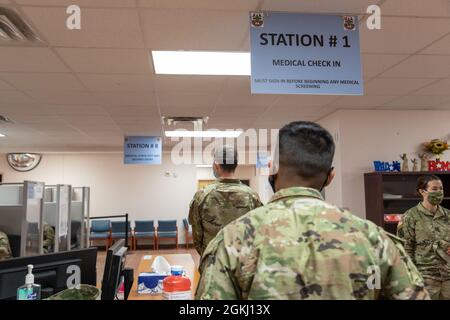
<point>150,283</point>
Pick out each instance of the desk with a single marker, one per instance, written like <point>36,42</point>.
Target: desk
<point>184,260</point>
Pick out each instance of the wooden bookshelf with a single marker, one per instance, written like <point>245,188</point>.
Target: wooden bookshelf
<point>397,183</point>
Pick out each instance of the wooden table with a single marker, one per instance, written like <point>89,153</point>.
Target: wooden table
<point>184,260</point>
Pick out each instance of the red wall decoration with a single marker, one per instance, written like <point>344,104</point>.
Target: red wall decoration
<point>437,165</point>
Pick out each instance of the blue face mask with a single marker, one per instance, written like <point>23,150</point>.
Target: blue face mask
<point>216,175</point>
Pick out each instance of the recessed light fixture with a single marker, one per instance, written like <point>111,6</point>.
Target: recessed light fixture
<point>202,63</point>
<point>203,134</point>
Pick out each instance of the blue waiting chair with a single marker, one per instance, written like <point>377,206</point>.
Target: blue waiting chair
<point>188,230</point>
<point>144,229</point>
<point>101,230</point>
<point>167,229</point>
<point>118,230</point>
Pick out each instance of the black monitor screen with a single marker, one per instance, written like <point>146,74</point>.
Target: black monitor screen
<point>50,271</point>
<point>115,262</point>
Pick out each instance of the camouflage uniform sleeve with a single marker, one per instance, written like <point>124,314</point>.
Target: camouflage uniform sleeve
<point>195,221</point>
<point>5,250</point>
<point>216,280</point>
<point>256,201</point>
<point>408,233</point>
<point>402,281</point>
<point>49,238</point>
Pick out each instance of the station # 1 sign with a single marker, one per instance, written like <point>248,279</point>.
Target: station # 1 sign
<point>293,53</point>
<point>142,150</point>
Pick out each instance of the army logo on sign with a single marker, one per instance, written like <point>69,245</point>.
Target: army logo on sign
<point>349,23</point>
<point>257,19</point>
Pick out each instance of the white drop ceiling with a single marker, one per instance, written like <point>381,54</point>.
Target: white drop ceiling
<point>85,89</point>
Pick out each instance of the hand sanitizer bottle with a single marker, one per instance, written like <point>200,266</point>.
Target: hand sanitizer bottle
<point>30,290</point>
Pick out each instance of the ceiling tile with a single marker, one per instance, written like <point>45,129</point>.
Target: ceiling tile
<point>245,110</point>
<point>326,7</point>
<point>374,64</point>
<point>116,83</point>
<point>231,99</point>
<point>87,120</point>
<point>126,98</point>
<point>132,111</point>
<point>181,99</point>
<point>167,29</point>
<point>300,100</point>
<point>418,101</point>
<point>81,3</point>
<point>92,60</point>
<point>441,87</point>
<point>394,86</point>
<point>186,111</point>
<point>38,119</point>
<point>13,96</point>
<point>75,110</point>
<point>135,119</point>
<point>402,35</point>
<point>48,82</point>
<point>439,47</point>
<point>231,5</point>
<point>421,66</point>
<point>64,97</point>
<point>417,8</point>
<point>363,102</point>
<point>110,28</point>
<point>4,86</point>
<point>189,83</point>
<point>26,59</point>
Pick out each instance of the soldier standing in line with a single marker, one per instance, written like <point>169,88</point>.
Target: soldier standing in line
<point>221,202</point>
<point>300,247</point>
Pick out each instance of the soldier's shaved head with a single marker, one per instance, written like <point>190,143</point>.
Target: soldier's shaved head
<point>306,150</point>
<point>226,157</point>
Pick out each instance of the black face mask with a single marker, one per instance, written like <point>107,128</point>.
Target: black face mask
<point>272,181</point>
<point>326,179</point>
<point>273,177</point>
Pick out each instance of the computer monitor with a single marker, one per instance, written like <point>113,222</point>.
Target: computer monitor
<point>50,271</point>
<point>114,266</point>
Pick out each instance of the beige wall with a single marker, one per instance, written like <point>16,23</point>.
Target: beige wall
<point>371,135</point>
<point>145,192</point>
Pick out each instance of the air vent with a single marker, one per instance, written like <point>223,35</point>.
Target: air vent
<point>14,28</point>
<point>5,120</point>
<point>175,120</point>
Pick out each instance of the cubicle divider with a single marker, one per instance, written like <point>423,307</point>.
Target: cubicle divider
<point>57,215</point>
<point>21,216</point>
<point>79,217</point>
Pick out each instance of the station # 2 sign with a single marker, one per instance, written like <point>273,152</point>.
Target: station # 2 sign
<point>142,150</point>
<point>293,53</point>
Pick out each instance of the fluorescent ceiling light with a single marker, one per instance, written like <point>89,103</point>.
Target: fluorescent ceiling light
<point>1,135</point>
<point>203,134</point>
<point>204,165</point>
<point>202,63</point>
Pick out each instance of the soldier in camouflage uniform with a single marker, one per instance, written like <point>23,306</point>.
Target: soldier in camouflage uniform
<point>5,249</point>
<point>426,231</point>
<point>300,247</point>
<point>221,202</point>
<point>49,238</point>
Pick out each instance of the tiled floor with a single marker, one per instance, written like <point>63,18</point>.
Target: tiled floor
<point>134,257</point>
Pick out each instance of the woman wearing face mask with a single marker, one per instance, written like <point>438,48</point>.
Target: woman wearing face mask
<point>426,231</point>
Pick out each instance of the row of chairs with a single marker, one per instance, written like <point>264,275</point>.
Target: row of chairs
<point>109,231</point>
